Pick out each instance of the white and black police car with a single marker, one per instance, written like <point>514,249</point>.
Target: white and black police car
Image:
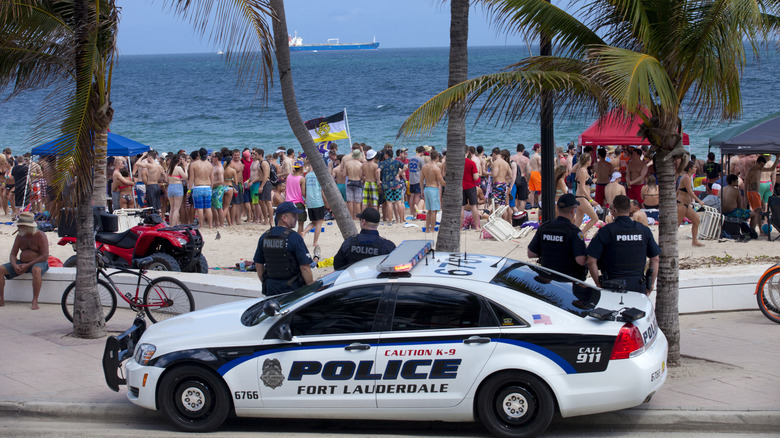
<point>415,335</point>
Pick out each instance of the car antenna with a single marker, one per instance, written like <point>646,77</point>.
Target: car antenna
<point>495,265</point>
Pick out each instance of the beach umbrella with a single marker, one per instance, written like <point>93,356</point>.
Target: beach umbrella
<point>760,136</point>
<point>118,146</point>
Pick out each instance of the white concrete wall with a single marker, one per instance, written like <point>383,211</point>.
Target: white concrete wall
<point>702,290</point>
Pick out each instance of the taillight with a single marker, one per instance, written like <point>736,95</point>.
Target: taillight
<point>628,343</point>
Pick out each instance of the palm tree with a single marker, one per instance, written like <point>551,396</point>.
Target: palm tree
<point>329,188</point>
<point>69,45</point>
<point>639,56</point>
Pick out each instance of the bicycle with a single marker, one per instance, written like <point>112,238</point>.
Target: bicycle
<point>768,293</point>
<point>163,297</point>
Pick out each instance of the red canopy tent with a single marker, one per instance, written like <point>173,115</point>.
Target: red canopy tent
<point>615,129</point>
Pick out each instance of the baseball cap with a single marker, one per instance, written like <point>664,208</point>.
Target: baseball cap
<point>404,149</point>
<point>370,215</point>
<point>288,207</point>
<point>615,176</point>
<point>537,146</point>
<point>567,200</point>
<point>27,219</point>
<point>298,164</point>
<point>370,154</point>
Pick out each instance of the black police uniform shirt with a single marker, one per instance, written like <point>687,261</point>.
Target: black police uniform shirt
<point>297,250</point>
<point>622,248</point>
<point>558,243</point>
<point>361,246</point>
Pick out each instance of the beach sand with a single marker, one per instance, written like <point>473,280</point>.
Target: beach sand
<point>240,241</point>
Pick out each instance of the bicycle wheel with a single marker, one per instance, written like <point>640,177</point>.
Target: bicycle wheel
<point>105,292</point>
<point>768,294</point>
<point>166,297</point>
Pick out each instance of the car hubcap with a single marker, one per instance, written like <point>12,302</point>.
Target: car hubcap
<point>515,405</point>
<point>193,399</point>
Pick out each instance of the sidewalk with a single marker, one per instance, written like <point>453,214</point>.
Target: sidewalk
<point>729,378</point>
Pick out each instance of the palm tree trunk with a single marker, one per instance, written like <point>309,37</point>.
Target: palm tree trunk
<point>99,170</point>
<point>329,188</point>
<point>666,304</point>
<point>449,229</point>
<point>88,320</point>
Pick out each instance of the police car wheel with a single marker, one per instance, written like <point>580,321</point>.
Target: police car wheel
<point>194,399</point>
<point>515,404</point>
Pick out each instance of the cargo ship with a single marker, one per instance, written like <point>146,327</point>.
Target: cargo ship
<point>296,45</point>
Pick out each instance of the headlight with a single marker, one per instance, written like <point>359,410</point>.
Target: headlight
<point>144,353</point>
<point>182,240</point>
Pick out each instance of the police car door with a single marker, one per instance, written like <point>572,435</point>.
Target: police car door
<point>434,346</point>
<point>329,363</point>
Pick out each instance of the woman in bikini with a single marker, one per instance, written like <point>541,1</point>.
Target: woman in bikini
<point>126,190</point>
<point>650,192</point>
<point>685,198</point>
<point>560,182</point>
<point>583,196</point>
<point>279,194</point>
<point>177,177</point>
<point>230,189</point>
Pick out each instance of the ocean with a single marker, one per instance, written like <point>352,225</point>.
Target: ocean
<point>188,101</point>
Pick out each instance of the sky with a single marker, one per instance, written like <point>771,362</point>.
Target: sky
<point>146,27</point>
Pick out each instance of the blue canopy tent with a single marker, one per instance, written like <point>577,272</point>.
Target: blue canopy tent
<point>118,146</point>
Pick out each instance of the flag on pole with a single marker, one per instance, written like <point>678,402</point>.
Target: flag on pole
<point>328,128</point>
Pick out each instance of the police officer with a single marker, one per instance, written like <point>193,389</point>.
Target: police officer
<point>620,250</point>
<point>559,243</point>
<point>365,244</point>
<point>282,259</point>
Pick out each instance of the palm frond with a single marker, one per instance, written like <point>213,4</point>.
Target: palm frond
<point>528,17</point>
<point>241,28</point>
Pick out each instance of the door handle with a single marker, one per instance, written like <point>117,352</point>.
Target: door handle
<point>357,346</point>
<point>476,340</point>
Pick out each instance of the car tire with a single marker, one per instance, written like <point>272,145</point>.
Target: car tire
<point>163,262</point>
<point>70,262</point>
<point>194,399</point>
<point>201,265</point>
<point>515,405</point>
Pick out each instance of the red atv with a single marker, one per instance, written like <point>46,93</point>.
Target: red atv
<point>177,248</point>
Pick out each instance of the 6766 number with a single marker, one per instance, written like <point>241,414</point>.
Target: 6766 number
<point>246,395</point>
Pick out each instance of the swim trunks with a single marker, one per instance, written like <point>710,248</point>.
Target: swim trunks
<point>394,195</point>
<point>370,195</point>
<point>153,195</point>
<point>432,202</point>
<point>599,198</point>
<point>343,190</point>
<point>535,183</point>
<point>254,191</point>
<point>216,196</point>
<point>414,188</point>
<point>765,190</point>
<point>201,197</point>
<point>635,192</point>
<point>739,213</point>
<point>11,273</point>
<point>238,197</point>
<point>354,191</point>
<point>268,192</point>
<point>754,199</point>
<point>499,193</point>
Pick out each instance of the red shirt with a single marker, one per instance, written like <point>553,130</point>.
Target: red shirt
<point>468,174</point>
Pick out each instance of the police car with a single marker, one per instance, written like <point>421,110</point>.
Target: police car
<point>415,335</point>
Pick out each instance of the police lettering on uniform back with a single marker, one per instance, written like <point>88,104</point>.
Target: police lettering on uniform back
<point>366,244</point>
<point>559,244</point>
<point>620,250</point>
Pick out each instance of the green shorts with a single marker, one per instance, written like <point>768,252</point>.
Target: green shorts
<point>254,192</point>
<point>216,197</point>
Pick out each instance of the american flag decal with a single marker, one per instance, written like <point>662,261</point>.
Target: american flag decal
<point>542,319</point>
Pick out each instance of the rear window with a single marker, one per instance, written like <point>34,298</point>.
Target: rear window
<point>575,297</point>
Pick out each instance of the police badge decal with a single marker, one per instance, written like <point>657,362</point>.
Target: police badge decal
<point>272,373</point>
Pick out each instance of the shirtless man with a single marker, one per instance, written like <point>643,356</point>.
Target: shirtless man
<point>522,183</point>
<point>752,186</point>
<point>151,174</point>
<point>636,214</point>
<point>613,189</point>
<point>33,249</point>
<point>432,182</point>
<point>238,197</point>
<point>119,182</point>
<point>370,176</point>
<point>256,178</point>
<point>603,170</point>
<point>286,164</point>
<point>200,173</point>
<point>535,178</point>
<point>353,171</point>
<point>217,188</point>
<point>266,189</point>
<point>502,177</point>
<point>732,200</point>
<point>635,176</point>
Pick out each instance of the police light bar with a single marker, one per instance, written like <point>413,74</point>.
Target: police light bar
<point>405,256</point>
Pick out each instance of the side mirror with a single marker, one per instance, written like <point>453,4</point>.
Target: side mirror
<point>271,308</point>
<point>285,333</point>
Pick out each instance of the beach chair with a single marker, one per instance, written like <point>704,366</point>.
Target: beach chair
<point>499,228</point>
<point>711,223</point>
<point>773,205</point>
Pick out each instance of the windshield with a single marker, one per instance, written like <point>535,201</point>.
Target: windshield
<point>254,315</point>
<point>569,294</point>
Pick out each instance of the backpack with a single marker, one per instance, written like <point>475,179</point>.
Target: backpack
<point>273,177</point>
